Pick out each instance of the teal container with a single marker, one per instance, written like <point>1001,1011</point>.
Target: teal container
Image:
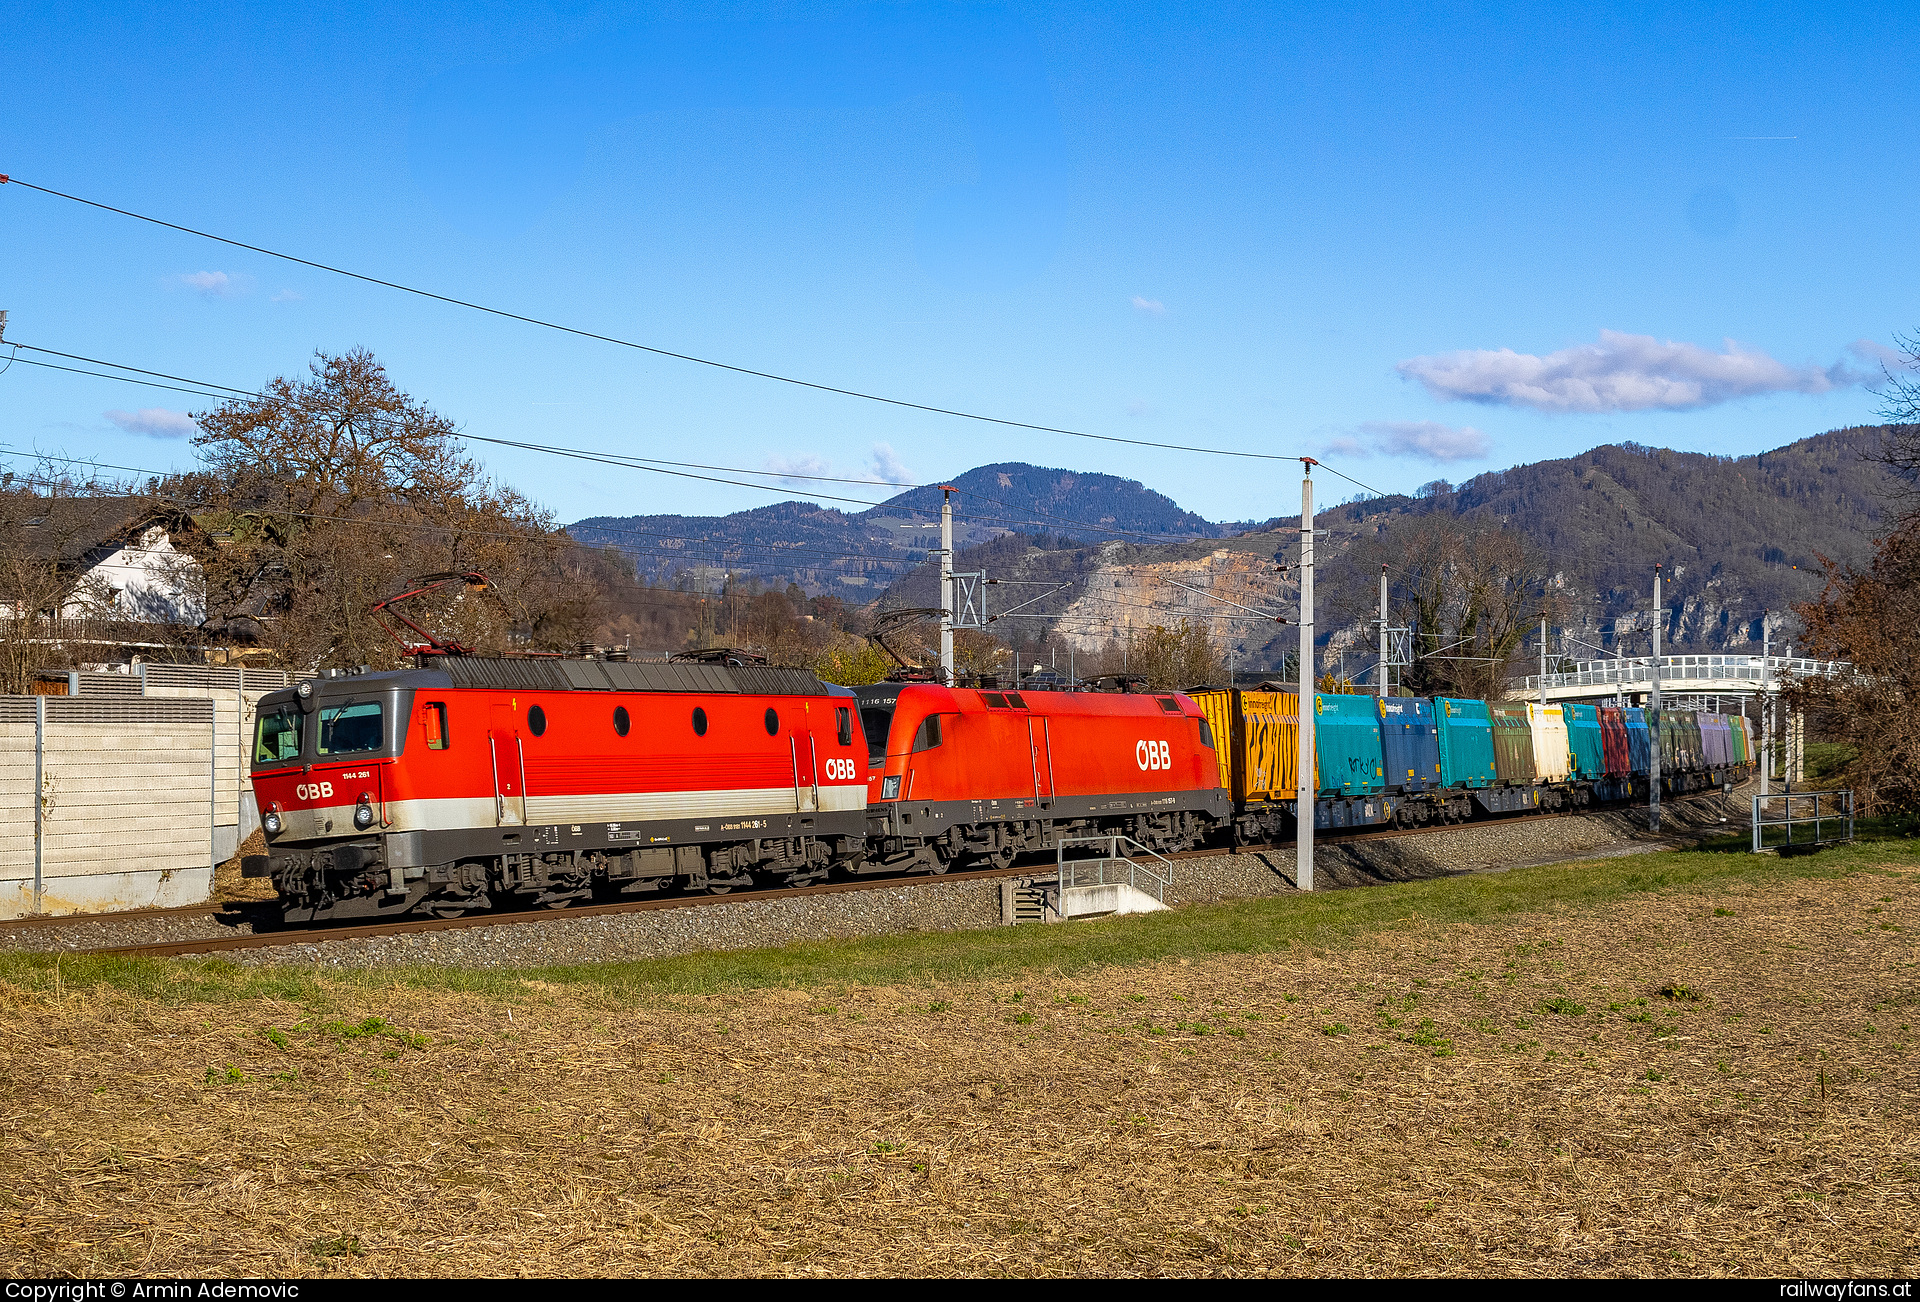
<point>1466,742</point>
<point>1583,732</point>
<point>1346,741</point>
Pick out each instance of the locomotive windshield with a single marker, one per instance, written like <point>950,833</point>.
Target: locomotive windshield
<point>876,716</point>
<point>277,739</point>
<point>875,719</point>
<point>350,728</point>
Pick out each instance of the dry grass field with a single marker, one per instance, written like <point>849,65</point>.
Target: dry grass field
<point>1689,1064</point>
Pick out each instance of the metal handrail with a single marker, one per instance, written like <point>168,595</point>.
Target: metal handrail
<point>1062,879</point>
<point>1839,810</point>
<point>1633,671</point>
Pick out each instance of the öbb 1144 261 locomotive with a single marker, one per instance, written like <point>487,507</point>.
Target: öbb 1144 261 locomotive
<point>474,783</point>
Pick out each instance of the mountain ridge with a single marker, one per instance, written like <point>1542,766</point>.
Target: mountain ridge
<point>1738,536</point>
<point>826,549</point>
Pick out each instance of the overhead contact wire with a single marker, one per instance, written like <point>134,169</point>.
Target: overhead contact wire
<point>640,347</point>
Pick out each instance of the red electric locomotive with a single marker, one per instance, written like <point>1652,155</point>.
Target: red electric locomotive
<point>474,781</point>
<point>979,775</point>
<point>445,788</point>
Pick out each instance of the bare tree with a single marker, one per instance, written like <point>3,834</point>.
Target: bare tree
<point>1900,407</point>
<point>1177,657</point>
<point>326,493</point>
<point>1870,617</point>
<point>1470,591</point>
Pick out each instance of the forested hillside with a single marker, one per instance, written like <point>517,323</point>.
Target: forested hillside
<point>856,554</point>
<point>1607,515</point>
<point>1737,536</point>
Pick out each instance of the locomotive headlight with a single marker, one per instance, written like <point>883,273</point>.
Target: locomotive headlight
<point>304,689</point>
<point>271,820</point>
<point>363,814</point>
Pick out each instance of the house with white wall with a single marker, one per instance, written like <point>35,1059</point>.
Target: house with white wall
<point>100,558</point>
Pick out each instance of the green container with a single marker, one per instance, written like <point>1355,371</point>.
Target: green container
<point>1346,741</point>
<point>1679,741</point>
<point>1466,743</point>
<point>1512,744</point>
<point>1583,732</point>
<point>1742,754</point>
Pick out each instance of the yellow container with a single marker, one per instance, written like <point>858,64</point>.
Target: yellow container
<point>1257,739</point>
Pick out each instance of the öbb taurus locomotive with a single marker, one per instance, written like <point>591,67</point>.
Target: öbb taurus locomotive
<point>475,783</point>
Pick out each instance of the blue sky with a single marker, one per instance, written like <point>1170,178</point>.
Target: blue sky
<point>1422,242</point>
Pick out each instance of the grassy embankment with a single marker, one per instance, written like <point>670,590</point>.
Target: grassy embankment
<point>1685,1062</point>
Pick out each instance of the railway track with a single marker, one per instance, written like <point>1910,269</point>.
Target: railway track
<point>409,926</point>
<point>121,915</point>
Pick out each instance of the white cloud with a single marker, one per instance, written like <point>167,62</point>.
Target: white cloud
<point>155,422</point>
<point>217,284</point>
<point>1620,373</point>
<point>887,467</point>
<point>793,470</point>
<point>1150,305</point>
<point>883,467</point>
<point>286,296</point>
<point>1345,447</point>
<point>1427,438</point>
<point>1868,350</point>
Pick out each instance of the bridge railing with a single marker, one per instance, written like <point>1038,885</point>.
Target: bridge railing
<point>1638,671</point>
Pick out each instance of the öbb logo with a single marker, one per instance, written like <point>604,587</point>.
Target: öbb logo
<point>1152,755</point>
<point>841,770</point>
<point>313,791</point>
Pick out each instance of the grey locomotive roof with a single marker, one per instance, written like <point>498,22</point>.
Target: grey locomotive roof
<point>587,676</point>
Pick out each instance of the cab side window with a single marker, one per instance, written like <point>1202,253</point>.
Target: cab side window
<point>928,735</point>
<point>433,718</point>
<point>843,724</point>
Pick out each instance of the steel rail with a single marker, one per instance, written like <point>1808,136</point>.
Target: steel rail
<point>123,915</point>
<point>411,926</point>
<point>348,931</point>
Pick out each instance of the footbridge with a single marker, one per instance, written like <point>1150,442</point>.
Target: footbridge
<point>1630,679</point>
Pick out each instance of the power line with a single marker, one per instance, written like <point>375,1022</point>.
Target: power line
<point>203,392</point>
<point>699,546</point>
<point>649,348</point>
<point>122,366</point>
<point>74,370</point>
<point>1351,480</point>
<point>625,460</point>
<point>697,550</point>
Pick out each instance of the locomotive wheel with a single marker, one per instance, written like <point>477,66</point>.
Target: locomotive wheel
<point>450,905</point>
<point>1000,858</point>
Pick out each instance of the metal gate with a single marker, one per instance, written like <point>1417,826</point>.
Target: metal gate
<point>1802,820</point>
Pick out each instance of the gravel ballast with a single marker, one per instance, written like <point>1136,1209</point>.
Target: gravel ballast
<point>937,905</point>
<point>113,931</point>
<point>746,923</point>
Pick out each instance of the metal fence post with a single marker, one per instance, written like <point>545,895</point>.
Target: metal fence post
<point>39,798</point>
<point>213,790</point>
